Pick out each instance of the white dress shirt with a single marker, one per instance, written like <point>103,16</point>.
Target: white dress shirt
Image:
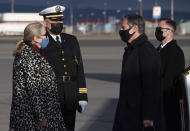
<point>164,44</point>
<point>54,37</point>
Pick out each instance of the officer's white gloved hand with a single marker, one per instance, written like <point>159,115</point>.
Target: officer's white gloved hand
<point>83,105</point>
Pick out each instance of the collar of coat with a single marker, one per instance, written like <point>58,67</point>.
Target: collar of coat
<point>171,43</point>
<point>50,37</point>
<point>141,39</point>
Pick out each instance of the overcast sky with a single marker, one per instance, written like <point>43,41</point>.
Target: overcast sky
<point>180,5</point>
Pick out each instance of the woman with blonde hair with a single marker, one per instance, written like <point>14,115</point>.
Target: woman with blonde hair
<point>35,104</point>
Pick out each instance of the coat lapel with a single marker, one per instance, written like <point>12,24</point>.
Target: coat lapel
<point>53,42</point>
<point>64,40</point>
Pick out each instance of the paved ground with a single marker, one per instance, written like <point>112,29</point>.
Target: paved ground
<point>102,62</point>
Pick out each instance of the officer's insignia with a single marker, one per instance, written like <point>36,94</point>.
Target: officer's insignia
<point>76,60</point>
<point>58,9</point>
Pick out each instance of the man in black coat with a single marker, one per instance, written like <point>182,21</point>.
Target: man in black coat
<point>140,101</point>
<point>63,54</point>
<point>173,63</point>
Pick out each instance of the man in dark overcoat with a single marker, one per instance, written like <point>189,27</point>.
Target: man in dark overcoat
<point>140,101</point>
<point>63,54</point>
<point>173,63</point>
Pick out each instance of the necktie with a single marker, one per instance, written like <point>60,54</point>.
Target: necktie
<point>159,48</point>
<point>58,41</point>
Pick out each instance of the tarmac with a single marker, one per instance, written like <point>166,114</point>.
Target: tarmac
<point>102,57</point>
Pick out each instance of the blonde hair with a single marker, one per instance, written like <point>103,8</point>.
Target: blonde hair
<point>31,30</point>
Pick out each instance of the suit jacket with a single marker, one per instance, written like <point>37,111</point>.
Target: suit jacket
<point>140,88</point>
<point>66,60</point>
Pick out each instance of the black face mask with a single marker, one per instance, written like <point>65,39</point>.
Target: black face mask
<point>56,28</point>
<point>125,35</point>
<point>159,34</point>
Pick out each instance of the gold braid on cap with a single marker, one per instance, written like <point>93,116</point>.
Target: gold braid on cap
<point>51,16</point>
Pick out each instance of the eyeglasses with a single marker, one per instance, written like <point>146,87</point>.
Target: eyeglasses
<point>165,29</point>
<point>129,27</point>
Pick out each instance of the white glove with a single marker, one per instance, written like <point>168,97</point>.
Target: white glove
<point>83,105</point>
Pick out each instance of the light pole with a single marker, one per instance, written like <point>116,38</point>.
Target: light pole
<point>172,9</point>
<point>155,3</point>
<point>141,7</point>
<point>92,15</point>
<point>71,13</point>
<point>105,13</point>
<point>118,11</point>
<point>81,15</point>
<point>71,16</point>
<point>12,6</point>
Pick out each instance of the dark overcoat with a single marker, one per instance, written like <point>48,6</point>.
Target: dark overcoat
<point>140,88</point>
<point>173,63</point>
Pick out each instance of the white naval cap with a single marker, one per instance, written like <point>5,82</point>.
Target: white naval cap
<point>53,13</point>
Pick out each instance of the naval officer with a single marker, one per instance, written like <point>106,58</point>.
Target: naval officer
<point>63,54</point>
